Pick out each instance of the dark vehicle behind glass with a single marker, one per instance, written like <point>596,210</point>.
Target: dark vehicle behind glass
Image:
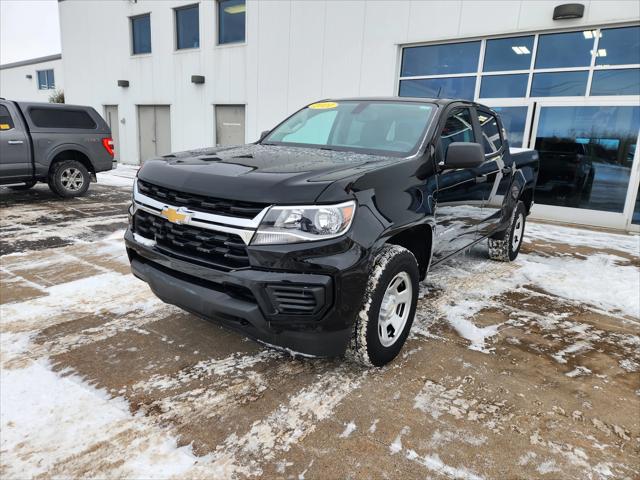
<point>315,237</point>
<point>63,145</point>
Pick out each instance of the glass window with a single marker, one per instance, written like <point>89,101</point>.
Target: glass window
<point>141,34</point>
<point>559,84</point>
<point>370,127</point>
<point>46,80</point>
<point>451,87</point>
<point>504,86</point>
<point>514,120</point>
<point>457,128</point>
<point>6,122</point>
<point>586,154</point>
<point>508,54</point>
<point>187,27</point>
<point>44,117</point>
<point>491,138</point>
<point>231,21</point>
<point>619,46</point>
<point>562,50</point>
<point>616,82</point>
<point>440,59</point>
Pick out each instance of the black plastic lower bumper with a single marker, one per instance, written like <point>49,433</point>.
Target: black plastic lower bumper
<point>240,300</point>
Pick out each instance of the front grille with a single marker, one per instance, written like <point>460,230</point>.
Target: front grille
<point>225,250</point>
<point>218,206</point>
<point>296,299</point>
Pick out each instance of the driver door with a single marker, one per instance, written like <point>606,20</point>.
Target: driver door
<point>460,192</point>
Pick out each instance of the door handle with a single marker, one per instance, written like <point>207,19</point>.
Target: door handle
<point>15,142</point>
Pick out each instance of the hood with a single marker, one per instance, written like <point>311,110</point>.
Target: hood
<point>258,173</point>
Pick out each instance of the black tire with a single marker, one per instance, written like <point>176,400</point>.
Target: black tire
<point>506,249</point>
<point>366,346</point>
<point>69,178</point>
<point>26,186</point>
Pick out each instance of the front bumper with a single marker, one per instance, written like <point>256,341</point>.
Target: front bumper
<point>243,299</point>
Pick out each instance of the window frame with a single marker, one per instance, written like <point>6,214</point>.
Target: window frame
<point>131,35</point>
<point>175,27</point>
<point>478,75</point>
<point>46,72</point>
<point>218,19</point>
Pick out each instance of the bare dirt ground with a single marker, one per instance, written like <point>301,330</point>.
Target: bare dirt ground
<point>522,370</point>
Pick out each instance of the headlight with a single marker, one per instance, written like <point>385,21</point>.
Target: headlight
<point>304,224</point>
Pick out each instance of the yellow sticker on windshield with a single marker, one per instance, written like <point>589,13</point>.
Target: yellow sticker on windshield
<point>323,105</point>
<point>4,126</point>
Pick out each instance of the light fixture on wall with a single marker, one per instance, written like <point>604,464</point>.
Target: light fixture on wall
<point>29,76</point>
<point>123,83</point>
<point>197,79</point>
<point>568,11</point>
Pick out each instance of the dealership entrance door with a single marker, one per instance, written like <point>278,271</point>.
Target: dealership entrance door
<point>589,164</point>
<point>154,131</point>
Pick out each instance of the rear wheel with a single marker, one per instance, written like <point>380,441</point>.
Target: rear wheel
<point>383,323</point>
<point>506,249</point>
<point>69,178</point>
<point>26,186</point>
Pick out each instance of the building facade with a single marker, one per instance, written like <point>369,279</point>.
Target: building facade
<point>179,74</point>
<point>33,80</point>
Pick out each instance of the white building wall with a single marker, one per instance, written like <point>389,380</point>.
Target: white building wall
<point>15,85</point>
<point>296,52</point>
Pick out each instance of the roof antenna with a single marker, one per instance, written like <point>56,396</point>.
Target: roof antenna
<point>439,90</point>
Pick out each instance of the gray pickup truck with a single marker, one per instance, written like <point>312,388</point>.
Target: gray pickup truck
<point>63,145</point>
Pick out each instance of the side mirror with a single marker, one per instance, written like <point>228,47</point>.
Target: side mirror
<point>264,134</point>
<point>464,155</point>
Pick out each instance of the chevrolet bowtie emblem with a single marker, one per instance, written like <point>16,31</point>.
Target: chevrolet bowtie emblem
<point>175,215</point>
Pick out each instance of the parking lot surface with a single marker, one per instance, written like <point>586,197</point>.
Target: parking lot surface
<point>521,370</point>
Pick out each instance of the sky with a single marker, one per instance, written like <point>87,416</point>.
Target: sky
<point>28,29</point>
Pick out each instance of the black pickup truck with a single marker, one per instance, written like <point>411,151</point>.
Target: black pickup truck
<point>315,237</point>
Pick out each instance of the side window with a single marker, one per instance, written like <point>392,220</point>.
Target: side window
<point>457,128</point>
<point>44,117</point>
<point>6,122</point>
<point>491,138</point>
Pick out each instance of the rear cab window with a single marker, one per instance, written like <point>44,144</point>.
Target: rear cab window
<point>43,117</point>
<point>6,122</point>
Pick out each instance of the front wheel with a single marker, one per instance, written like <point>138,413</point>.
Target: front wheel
<point>506,249</point>
<point>383,323</point>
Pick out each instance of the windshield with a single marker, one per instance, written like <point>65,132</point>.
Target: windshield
<point>368,126</point>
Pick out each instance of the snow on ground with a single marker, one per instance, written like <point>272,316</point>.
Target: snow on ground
<point>122,176</point>
<point>101,379</point>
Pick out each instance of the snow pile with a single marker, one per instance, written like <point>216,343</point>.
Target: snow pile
<point>122,176</point>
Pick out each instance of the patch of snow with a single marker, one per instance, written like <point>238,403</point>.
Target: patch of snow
<point>121,176</point>
<point>32,444</point>
<point>348,429</point>
<point>578,371</point>
<point>374,425</point>
<point>434,464</point>
<point>396,446</point>
<point>547,467</point>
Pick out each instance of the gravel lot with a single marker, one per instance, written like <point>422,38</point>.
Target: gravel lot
<point>523,370</point>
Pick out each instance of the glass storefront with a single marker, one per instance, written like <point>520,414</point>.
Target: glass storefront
<point>586,155</point>
<point>574,96</point>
